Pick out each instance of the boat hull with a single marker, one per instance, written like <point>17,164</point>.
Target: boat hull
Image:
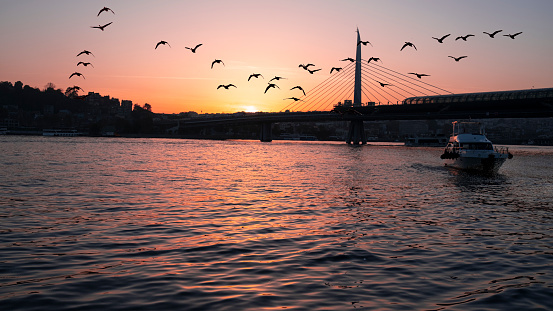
<point>489,165</point>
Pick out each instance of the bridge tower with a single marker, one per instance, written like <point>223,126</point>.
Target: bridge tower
<point>356,132</point>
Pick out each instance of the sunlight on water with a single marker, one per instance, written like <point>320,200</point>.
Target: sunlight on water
<point>156,224</point>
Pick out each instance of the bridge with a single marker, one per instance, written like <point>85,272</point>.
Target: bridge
<point>393,96</point>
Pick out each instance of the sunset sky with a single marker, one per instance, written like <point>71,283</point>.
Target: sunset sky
<point>40,40</point>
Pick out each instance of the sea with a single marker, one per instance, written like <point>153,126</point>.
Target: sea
<point>174,224</point>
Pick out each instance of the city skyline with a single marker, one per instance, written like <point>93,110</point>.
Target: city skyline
<point>271,39</point>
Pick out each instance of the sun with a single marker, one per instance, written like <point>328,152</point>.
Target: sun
<point>250,109</point>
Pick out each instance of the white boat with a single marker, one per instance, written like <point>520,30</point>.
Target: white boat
<point>60,132</point>
<point>469,149</point>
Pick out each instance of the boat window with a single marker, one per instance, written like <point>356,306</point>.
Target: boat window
<point>477,146</point>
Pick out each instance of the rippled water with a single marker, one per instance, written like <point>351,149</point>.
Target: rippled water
<point>155,224</point>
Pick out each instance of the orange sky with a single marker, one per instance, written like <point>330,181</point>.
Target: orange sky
<point>40,41</point>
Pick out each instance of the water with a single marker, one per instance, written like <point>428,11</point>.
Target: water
<point>156,224</point>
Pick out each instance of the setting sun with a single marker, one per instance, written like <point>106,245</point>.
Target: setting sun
<point>250,109</point>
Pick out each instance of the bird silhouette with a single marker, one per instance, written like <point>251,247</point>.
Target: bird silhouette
<point>513,35</point>
<point>194,48</point>
<point>76,74</point>
<point>313,71</point>
<point>102,27</point>
<point>105,9</point>
<point>255,75</point>
<point>226,86</point>
<point>293,98</point>
<point>162,43</point>
<point>85,64</point>
<point>419,75</point>
<point>383,84</point>
<point>464,37</point>
<point>217,61</point>
<point>299,88</point>
<point>276,78</point>
<point>376,59</point>
<point>441,40</point>
<point>492,35</point>
<point>335,68</point>
<point>349,58</point>
<point>408,44</point>
<point>306,67</point>
<point>457,58</point>
<point>86,52</point>
<point>364,42</point>
<point>271,85</point>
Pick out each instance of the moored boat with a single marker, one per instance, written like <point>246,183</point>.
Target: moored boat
<point>469,149</point>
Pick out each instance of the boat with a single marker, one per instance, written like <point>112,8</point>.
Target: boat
<point>61,132</point>
<point>469,149</point>
<point>426,141</point>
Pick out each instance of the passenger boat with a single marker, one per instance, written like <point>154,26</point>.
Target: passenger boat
<point>469,149</point>
<point>61,132</point>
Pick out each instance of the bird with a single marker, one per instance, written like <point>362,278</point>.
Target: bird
<point>464,37</point>
<point>226,86</point>
<point>271,85</point>
<point>419,75</point>
<point>299,88</point>
<point>364,42</point>
<point>457,58</point>
<point>76,74</point>
<point>84,64</point>
<point>293,98</point>
<point>513,35</point>
<point>313,71</point>
<point>306,67</point>
<point>349,58</point>
<point>493,33</point>
<point>383,84</point>
<point>441,40</point>
<point>408,44</point>
<point>217,61</point>
<point>276,78</point>
<point>101,27</point>
<point>105,9</point>
<point>335,68</point>
<point>86,52</point>
<point>162,42</point>
<point>194,48</point>
<point>255,75</point>
<point>376,59</point>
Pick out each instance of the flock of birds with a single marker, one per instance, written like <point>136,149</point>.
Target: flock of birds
<point>306,67</point>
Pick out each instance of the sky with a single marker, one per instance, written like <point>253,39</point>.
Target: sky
<point>40,40</point>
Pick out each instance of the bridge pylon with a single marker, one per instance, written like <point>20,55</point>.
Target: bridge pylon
<point>356,133</point>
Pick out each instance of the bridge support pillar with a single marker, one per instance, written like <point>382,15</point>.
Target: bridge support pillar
<point>356,133</point>
<point>266,132</point>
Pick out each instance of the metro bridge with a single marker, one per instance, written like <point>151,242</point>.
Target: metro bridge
<point>394,96</point>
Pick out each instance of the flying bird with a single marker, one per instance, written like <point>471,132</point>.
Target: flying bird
<point>255,75</point>
<point>306,67</point>
<point>84,64</point>
<point>86,52</point>
<point>313,71</point>
<point>299,88</point>
<point>493,33</point>
<point>105,9</point>
<point>276,78</point>
<point>226,86</point>
<point>376,59</point>
<point>383,84</point>
<point>408,44</point>
<point>162,42</point>
<point>335,68</point>
<point>271,85</point>
<point>513,35</point>
<point>441,40</point>
<point>457,58</point>
<point>76,74</point>
<point>349,58</point>
<point>101,27</point>
<point>294,98</point>
<point>464,37</point>
<point>364,43</point>
<point>217,61</point>
<point>419,75</point>
<point>194,48</point>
